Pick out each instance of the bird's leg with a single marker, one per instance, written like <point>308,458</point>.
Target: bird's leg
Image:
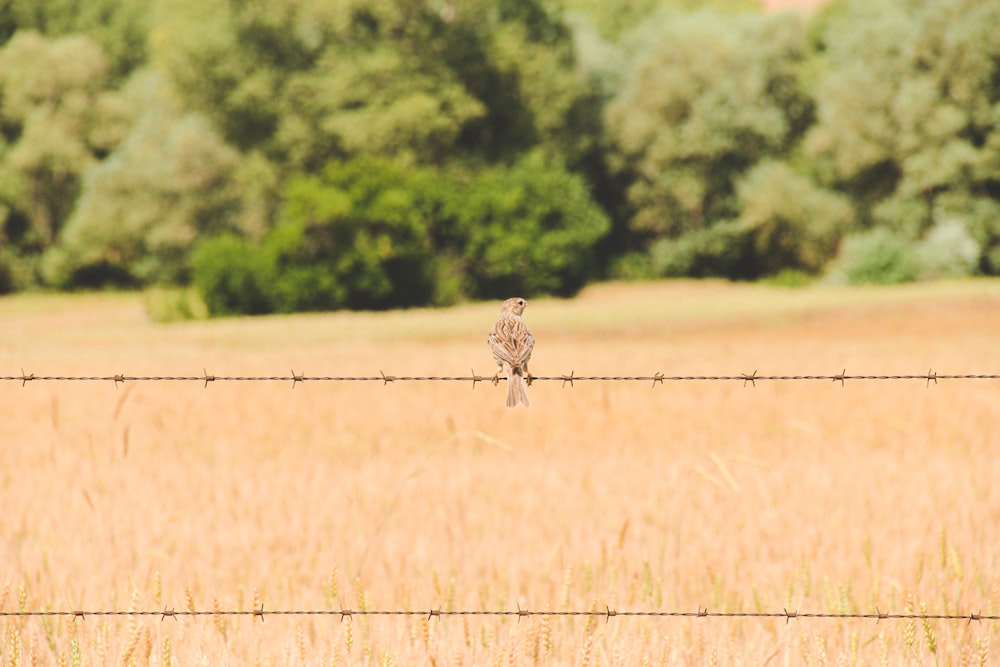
<point>527,374</point>
<point>496,377</point>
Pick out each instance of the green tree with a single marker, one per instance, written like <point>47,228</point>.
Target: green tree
<point>232,276</point>
<point>615,20</point>
<point>907,121</point>
<point>353,237</point>
<point>792,223</point>
<point>169,182</point>
<point>119,26</point>
<point>517,58</point>
<point>530,229</point>
<point>710,97</point>
<point>308,82</point>
<point>58,117</point>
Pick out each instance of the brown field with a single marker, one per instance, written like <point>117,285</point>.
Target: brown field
<point>807,496</point>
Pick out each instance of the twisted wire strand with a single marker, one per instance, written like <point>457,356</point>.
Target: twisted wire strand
<point>570,379</point>
<point>606,614</point>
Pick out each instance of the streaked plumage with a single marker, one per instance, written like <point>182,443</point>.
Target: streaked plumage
<point>512,343</point>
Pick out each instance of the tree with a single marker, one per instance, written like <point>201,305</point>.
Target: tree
<point>305,83</point>
<point>907,122</point>
<point>530,229</point>
<point>120,27</point>
<point>58,117</point>
<point>792,223</point>
<point>169,182</point>
<point>615,20</point>
<point>353,237</point>
<point>708,98</point>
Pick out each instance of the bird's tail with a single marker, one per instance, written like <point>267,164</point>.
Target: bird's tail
<point>517,393</point>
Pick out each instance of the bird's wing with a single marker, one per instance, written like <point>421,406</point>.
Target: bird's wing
<point>511,342</point>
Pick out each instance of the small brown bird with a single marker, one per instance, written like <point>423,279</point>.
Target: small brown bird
<point>512,344</point>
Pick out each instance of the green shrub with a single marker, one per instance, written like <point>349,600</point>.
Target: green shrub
<point>632,266</point>
<point>878,257</point>
<point>173,304</point>
<point>724,249</point>
<point>530,229</point>
<point>354,237</point>
<point>371,234</point>
<point>230,276</point>
<point>790,278</point>
<point>948,251</point>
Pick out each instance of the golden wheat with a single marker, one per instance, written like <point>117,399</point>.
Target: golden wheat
<point>805,496</point>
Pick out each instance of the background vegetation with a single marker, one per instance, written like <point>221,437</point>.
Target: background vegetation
<point>297,155</point>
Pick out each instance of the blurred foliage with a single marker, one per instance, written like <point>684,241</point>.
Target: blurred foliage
<point>907,115</point>
<point>159,207</point>
<point>174,304</point>
<point>528,229</point>
<point>297,155</point>
<point>709,98</point>
<point>353,237</point>
<point>792,223</point>
<point>120,27</point>
<point>884,256</point>
<point>58,118</point>
<point>876,257</point>
<point>371,233</point>
<point>613,19</point>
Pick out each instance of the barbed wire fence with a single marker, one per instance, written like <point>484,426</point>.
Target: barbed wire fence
<point>386,379</point>
<point>607,614</point>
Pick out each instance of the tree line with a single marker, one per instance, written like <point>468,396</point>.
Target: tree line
<point>304,155</point>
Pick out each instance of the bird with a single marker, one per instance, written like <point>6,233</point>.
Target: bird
<point>512,343</point>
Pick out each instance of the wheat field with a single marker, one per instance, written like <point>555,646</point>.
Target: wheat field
<point>807,496</point>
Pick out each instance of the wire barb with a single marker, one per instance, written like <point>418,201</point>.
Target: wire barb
<point>931,375</point>
<point>752,379</point>
<point>171,613</point>
<point>207,378</point>
<point>610,612</point>
<point>789,615</point>
<point>386,379</point>
<point>657,377</point>
<point>259,613</point>
<point>568,378</point>
<point>840,378</point>
<point>26,378</point>
<point>434,612</point>
<point>476,378</point>
<point>297,378</point>
<point>119,377</point>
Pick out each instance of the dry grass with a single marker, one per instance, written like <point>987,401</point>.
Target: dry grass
<point>800,495</point>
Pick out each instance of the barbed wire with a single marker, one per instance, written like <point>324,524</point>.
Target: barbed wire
<point>607,614</point>
<point>385,379</point>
